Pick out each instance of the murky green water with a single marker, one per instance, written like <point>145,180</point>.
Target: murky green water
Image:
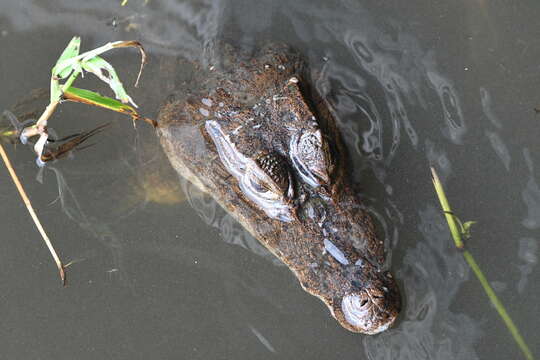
<point>415,83</point>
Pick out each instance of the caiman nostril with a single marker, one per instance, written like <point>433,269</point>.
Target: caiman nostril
<point>363,315</point>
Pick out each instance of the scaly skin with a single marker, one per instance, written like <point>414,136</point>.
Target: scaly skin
<point>254,135</point>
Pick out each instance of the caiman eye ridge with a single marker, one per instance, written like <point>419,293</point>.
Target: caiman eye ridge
<point>310,156</point>
<point>266,180</point>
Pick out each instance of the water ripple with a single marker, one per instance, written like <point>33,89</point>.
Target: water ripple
<point>528,253</point>
<point>231,231</point>
<point>531,197</point>
<point>455,125</point>
<point>500,148</point>
<point>170,27</point>
<point>438,158</point>
<point>485,99</point>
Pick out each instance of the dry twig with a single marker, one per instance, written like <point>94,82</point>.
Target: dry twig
<point>33,214</point>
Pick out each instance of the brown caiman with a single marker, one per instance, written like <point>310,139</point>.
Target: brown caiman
<point>254,134</point>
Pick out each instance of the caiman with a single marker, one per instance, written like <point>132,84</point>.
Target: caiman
<point>254,134</point>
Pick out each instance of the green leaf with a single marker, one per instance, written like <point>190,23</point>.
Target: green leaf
<point>466,228</point>
<point>71,51</point>
<point>103,70</point>
<point>94,98</point>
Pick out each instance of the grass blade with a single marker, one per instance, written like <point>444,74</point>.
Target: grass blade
<point>92,98</point>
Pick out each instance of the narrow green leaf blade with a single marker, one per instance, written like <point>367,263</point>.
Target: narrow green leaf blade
<point>93,98</point>
<point>71,51</point>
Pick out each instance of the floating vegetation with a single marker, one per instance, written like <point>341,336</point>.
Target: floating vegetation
<point>67,69</point>
<point>459,230</point>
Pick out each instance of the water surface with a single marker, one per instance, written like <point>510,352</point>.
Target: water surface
<point>169,274</point>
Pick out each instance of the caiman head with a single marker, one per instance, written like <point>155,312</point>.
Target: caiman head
<point>274,159</point>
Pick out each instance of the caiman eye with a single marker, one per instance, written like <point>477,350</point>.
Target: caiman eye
<point>276,168</point>
<point>310,155</point>
<point>267,182</point>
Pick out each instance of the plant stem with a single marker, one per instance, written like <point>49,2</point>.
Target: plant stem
<point>26,201</point>
<point>456,235</point>
<point>498,305</point>
<point>42,121</point>
<point>41,124</point>
<point>450,218</point>
<point>70,81</point>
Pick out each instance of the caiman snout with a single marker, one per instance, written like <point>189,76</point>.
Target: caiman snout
<point>350,279</point>
<point>371,309</point>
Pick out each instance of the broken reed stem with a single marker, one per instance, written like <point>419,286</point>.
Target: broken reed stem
<point>42,121</point>
<point>26,201</point>
<point>456,235</point>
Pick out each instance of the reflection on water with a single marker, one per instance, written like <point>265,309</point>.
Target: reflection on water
<point>528,254</point>
<point>493,135</point>
<point>531,196</point>
<point>487,107</point>
<point>230,230</point>
<point>263,340</point>
<point>401,108</point>
<point>500,148</point>
<point>451,108</point>
<point>168,26</point>
<point>98,228</point>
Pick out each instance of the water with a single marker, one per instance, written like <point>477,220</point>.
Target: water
<point>414,83</point>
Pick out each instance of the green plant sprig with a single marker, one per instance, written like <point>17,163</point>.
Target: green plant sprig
<point>459,229</point>
<point>69,66</point>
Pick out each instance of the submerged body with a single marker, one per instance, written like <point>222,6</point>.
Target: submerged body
<point>255,136</point>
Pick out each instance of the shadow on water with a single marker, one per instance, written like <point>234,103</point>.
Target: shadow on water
<point>399,114</point>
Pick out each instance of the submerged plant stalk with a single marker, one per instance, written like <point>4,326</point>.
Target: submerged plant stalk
<point>33,214</point>
<point>457,230</point>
